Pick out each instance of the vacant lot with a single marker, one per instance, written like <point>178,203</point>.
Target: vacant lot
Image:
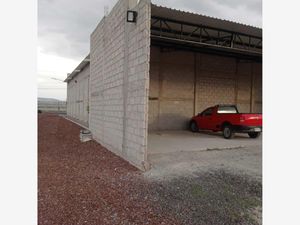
<point>83,183</point>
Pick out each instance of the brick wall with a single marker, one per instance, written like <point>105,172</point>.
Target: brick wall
<point>184,83</point>
<point>78,96</point>
<point>119,82</point>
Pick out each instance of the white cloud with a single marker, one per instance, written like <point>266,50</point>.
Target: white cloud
<point>53,66</point>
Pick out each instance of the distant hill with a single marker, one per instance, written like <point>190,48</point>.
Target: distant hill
<point>49,100</point>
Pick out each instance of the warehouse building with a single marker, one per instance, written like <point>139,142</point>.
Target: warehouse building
<point>78,93</point>
<point>152,68</point>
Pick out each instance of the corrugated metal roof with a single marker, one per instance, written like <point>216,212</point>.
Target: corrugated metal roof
<point>78,69</point>
<point>188,17</point>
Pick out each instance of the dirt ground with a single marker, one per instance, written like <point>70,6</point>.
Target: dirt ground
<point>83,183</point>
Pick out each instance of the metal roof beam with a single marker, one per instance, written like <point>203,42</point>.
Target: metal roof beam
<point>185,31</point>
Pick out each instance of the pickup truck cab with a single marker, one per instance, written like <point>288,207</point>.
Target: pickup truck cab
<point>227,119</point>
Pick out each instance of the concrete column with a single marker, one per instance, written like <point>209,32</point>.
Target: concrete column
<point>236,86</point>
<point>125,81</point>
<point>252,94</point>
<point>195,82</point>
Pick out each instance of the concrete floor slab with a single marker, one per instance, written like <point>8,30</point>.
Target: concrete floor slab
<point>186,141</point>
<point>245,161</point>
<point>182,153</point>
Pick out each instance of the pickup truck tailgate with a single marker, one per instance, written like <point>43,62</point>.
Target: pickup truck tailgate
<point>251,119</point>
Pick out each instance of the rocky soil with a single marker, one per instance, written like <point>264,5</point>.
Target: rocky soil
<point>83,183</point>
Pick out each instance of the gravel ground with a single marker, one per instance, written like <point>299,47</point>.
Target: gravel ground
<point>215,197</point>
<point>83,183</point>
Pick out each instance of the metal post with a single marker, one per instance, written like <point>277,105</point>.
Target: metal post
<point>160,27</point>
<point>181,30</point>
<point>200,34</point>
<point>232,40</point>
<point>249,43</point>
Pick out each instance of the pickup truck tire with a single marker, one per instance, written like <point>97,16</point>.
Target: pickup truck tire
<point>254,134</point>
<point>227,132</point>
<point>194,127</point>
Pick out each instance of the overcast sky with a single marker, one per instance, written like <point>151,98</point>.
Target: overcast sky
<point>64,28</point>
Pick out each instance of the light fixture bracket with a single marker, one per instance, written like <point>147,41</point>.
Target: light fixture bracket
<point>131,16</point>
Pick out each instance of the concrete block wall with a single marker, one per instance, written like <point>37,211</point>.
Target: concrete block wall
<point>184,83</point>
<point>216,80</point>
<point>257,87</point>
<point>171,89</point>
<point>78,96</point>
<point>244,82</point>
<point>119,82</point>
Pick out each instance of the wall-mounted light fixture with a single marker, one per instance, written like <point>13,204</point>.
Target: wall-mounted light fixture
<point>131,16</point>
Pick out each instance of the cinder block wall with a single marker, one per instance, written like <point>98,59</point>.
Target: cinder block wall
<point>78,96</point>
<point>184,83</point>
<point>171,89</point>
<point>257,87</point>
<point>216,80</point>
<point>119,82</point>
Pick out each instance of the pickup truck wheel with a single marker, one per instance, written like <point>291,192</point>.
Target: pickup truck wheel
<point>227,132</point>
<point>194,127</point>
<point>254,134</point>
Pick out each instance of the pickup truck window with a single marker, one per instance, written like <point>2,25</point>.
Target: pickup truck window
<point>207,112</point>
<point>227,109</point>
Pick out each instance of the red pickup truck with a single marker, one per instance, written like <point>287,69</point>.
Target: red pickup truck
<point>227,119</point>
